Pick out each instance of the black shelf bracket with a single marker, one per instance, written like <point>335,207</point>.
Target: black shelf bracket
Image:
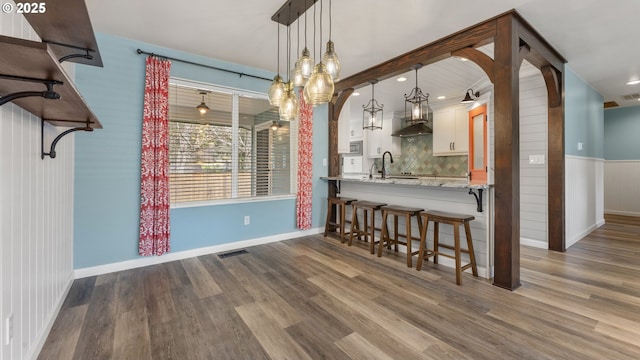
<point>86,54</point>
<point>47,94</point>
<point>52,150</point>
<point>478,197</point>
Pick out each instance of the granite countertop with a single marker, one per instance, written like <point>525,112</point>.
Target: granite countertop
<point>425,181</point>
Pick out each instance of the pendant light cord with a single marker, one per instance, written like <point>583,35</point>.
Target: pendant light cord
<point>305,24</point>
<point>329,20</point>
<point>320,47</point>
<point>314,30</point>
<point>289,45</point>
<point>278,44</point>
<point>298,38</point>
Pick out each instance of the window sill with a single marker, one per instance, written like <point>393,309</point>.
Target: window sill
<point>231,201</point>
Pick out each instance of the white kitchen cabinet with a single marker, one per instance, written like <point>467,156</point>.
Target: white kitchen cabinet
<point>344,126</point>
<point>352,165</point>
<point>451,131</point>
<point>379,141</point>
<point>355,129</point>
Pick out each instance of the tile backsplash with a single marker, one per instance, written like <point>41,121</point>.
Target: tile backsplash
<point>417,158</point>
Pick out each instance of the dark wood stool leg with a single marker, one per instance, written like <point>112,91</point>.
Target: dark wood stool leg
<point>436,242</point>
<point>384,232</point>
<point>329,213</point>
<point>342,219</point>
<point>456,242</point>
<point>472,256</point>
<point>395,233</point>
<point>408,233</point>
<point>355,229</point>
<point>423,243</point>
<point>372,246</point>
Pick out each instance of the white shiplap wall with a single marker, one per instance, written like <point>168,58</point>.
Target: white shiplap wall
<point>622,187</point>
<point>533,177</point>
<point>36,221</point>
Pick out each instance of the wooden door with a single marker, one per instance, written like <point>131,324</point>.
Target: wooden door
<point>478,145</point>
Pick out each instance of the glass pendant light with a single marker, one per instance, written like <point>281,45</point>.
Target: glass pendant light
<point>289,103</point>
<point>202,108</point>
<point>319,89</point>
<point>305,61</point>
<point>330,58</point>
<point>276,90</point>
<point>296,73</point>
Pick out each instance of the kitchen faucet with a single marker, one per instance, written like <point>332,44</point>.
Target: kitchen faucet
<point>384,170</point>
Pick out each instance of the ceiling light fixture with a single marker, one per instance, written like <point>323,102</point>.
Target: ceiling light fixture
<point>330,58</point>
<point>319,89</point>
<point>633,82</point>
<point>470,96</point>
<point>276,90</point>
<point>305,61</point>
<point>275,125</point>
<point>355,93</point>
<point>416,104</point>
<point>401,79</point>
<point>441,97</point>
<point>202,108</point>
<point>289,103</point>
<point>372,112</point>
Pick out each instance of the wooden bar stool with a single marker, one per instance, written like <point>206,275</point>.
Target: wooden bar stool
<point>455,220</point>
<point>408,214</point>
<point>369,230</point>
<point>341,203</point>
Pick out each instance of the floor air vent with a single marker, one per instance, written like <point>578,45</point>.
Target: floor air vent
<point>232,253</point>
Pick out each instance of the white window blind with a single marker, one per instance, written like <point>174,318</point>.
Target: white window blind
<point>231,151</point>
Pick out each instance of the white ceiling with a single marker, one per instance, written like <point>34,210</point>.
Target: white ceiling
<point>598,39</point>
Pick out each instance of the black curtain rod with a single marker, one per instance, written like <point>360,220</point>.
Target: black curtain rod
<point>140,52</point>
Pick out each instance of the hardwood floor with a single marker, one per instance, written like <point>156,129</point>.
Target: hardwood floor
<point>314,298</point>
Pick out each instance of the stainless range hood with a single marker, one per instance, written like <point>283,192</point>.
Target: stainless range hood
<point>416,127</point>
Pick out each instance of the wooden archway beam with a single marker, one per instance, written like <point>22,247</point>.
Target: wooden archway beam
<point>479,58</point>
<point>554,93</point>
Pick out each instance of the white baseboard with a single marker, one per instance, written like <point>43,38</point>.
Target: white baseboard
<point>153,260</point>
<point>623,213</point>
<point>534,243</point>
<point>53,315</point>
<point>579,237</point>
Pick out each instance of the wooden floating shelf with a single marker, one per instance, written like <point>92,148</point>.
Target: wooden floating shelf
<point>24,58</point>
<point>66,22</point>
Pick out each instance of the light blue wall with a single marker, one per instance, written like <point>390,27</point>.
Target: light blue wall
<point>584,117</point>
<point>107,165</point>
<point>621,131</point>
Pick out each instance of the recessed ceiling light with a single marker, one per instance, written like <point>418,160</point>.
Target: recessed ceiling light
<point>355,93</point>
<point>401,79</point>
<point>633,82</point>
<point>442,97</point>
<point>462,58</point>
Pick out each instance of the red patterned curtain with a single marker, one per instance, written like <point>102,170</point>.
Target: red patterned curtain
<point>305,169</point>
<point>154,179</point>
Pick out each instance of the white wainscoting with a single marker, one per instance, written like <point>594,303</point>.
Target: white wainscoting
<point>584,189</point>
<point>36,221</point>
<point>622,187</point>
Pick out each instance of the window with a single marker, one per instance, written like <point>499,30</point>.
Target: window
<point>231,152</point>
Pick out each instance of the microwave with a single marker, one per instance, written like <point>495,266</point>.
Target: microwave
<point>355,148</point>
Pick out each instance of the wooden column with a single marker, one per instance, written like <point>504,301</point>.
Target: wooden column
<point>555,168</point>
<point>507,154</point>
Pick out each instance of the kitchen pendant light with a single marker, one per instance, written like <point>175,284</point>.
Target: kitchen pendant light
<point>372,112</point>
<point>319,89</point>
<point>330,58</point>
<point>416,104</point>
<point>276,90</point>
<point>202,108</point>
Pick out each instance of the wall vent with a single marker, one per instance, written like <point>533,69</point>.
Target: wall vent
<point>232,253</point>
<point>635,96</point>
